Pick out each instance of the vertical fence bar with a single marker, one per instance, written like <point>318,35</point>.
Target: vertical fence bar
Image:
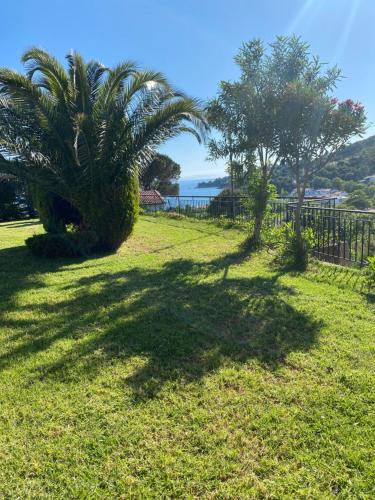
<point>362,241</point>
<point>369,239</point>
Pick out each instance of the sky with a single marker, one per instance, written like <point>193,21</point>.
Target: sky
<point>194,41</point>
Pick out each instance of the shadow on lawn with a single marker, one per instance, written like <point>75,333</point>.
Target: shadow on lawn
<point>183,320</point>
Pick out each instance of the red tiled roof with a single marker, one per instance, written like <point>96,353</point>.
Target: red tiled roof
<point>151,197</point>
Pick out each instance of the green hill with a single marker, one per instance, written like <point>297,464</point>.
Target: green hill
<point>354,162</point>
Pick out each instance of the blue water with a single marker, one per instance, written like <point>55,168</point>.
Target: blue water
<point>188,187</point>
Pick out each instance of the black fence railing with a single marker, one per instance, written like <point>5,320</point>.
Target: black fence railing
<point>231,207</point>
<point>282,207</point>
<point>209,207</point>
<point>345,237</point>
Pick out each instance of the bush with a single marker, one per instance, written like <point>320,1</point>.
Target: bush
<point>225,204</point>
<point>70,244</point>
<point>54,212</point>
<point>370,272</point>
<point>290,251</point>
<point>114,213</point>
<point>9,209</point>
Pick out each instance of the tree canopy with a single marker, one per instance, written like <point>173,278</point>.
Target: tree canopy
<point>162,173</point>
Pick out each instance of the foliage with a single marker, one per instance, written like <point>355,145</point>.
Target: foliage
<point>350,165</point>
<point>370,272</point>
<point>315,126</point>
<point>161,174</point>
<point>358,200</point>
<point>15,199</point>
<point>260,194</point>
<point>84,134</point>
<point>250,110</point>
<point>54,211</point>
<point>290,252</point>
<point>312,125</point>
<point>221,115</point>
<point>225,204</point>
<point>361,198</point>
<point>219,182</point>
<point>181,368</point>
<point>68,244</point>
<point>354,162</point>
<point>9,209</point>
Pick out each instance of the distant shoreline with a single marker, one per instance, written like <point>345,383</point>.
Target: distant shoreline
<point>219,183</point>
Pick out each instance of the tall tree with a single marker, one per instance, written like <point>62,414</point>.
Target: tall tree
<point>249,109</point>
<point>313,126</point>
<point>161,174</point>
<point>83,134</point>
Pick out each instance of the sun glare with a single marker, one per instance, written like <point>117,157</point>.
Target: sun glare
<point>343,40</point>
<point>311,9</point>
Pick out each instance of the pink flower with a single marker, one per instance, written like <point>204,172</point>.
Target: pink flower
<point>334,100</point>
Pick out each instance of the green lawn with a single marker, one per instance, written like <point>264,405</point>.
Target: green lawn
<point>179,368</point>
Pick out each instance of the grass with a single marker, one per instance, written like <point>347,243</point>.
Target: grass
<point>181,368</point>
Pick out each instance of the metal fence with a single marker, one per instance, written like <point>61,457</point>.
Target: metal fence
<point>209,207</point>
<point>230,207</point>
<point>345,237</point>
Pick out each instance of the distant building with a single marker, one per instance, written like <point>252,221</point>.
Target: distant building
<point>152,200</point>
<point>323,193</point>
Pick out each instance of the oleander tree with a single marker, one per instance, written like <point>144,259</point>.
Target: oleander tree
<point>246,113</point>
<point>314,126</point>
<point>81,135</point>
<point>281,112</point>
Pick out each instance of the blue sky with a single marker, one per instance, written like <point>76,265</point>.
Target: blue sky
<point>193,42</point>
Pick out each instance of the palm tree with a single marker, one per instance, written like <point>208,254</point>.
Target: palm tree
<point>81,136</point>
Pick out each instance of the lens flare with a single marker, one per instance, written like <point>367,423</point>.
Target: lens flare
<point>343,40</point>
<point>301,16</point>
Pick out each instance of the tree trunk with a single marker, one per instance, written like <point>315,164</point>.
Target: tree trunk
<point>300,250</point>
<point>232,184</point>
<point>298,211</point>
<point>260,209</point>
<point>257,229</point>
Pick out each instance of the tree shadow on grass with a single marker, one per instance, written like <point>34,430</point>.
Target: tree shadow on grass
<point>178,322</point>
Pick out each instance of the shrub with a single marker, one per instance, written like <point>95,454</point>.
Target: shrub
<point>292,252</point>
<point>225,204</point>
<point>54,212</point>
<point>370,272</point>
<point>9,209</point>
<point>114,219</point>
<point>70,244</point>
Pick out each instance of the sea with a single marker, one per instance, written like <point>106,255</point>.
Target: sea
<point>188,187</point>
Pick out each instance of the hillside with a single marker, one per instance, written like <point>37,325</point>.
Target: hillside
<point>350,166</point>
<point>219,182</point>
<point>354,162</point>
